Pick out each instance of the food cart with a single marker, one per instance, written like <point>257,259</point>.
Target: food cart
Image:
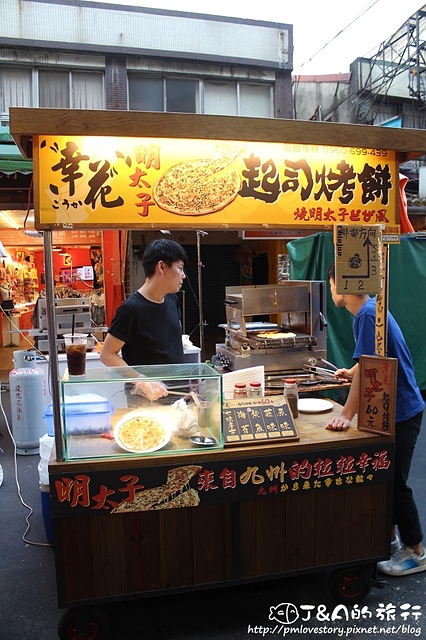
<point>183,516</point>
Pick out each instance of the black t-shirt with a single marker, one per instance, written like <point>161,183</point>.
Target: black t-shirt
<point>152,332</point>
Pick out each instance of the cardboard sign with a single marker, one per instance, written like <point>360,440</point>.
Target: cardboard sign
<point>258,420</point>
<point>377,394</point>
<point>358,259</point>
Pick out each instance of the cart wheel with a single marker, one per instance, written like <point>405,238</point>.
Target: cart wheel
<point>350,585</point>
<point>90,625</point>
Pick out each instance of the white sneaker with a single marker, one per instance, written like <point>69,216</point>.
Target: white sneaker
<point>395,544</point>
<point>403,563</point>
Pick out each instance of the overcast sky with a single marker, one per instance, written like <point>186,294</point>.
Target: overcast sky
<point>316,23</point>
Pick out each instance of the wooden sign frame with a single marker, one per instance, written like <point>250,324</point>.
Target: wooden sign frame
<point>377,394</point>
<point>304,199</point>
<point>257,421</point>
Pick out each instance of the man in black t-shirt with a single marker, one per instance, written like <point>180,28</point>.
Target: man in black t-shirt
<point>147,326</point>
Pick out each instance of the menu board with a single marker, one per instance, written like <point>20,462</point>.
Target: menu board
<point>258,420</point>
<point>377,394</point>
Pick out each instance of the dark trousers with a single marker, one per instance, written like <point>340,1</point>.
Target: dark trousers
<point>405,514</point>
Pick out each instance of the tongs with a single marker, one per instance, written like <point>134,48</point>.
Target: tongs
<point>329,364</point>
<point>319,371</point>
<point>313,361</point>
<point>196,397</point>
<point>323,376</point>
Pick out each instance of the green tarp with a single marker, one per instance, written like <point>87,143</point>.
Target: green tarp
<point>11,160</point>
<point>310,259</point>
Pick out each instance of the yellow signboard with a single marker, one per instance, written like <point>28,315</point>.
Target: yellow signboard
<point>118,182</point>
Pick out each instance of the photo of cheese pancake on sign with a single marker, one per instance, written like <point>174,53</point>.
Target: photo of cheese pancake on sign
<point>199,187</point>
<point>175,494</point>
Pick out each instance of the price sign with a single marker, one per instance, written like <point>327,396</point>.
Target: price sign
<point>377,394</point>
<point>358,251</point>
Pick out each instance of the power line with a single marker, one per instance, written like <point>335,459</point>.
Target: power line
<point>383,70</point>
<point>357,17</point>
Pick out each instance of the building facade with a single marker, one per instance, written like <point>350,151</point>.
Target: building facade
<point>388,89</point>
<point>88,55</point>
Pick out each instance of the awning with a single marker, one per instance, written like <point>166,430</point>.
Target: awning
<point>11,160</point>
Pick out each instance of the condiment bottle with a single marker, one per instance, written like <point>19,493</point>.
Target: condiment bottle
<point>240,390</point>
<point>292,395</point>
<point>255,389</point>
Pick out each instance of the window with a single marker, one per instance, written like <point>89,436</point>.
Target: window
<point>238,99</point>
<point>70,89</point>
<point>15,88</point>
<point>216,97</point>
<point>145,94</point>
<point>54,89</point>
<point>157,94</point>
<point>50,88</point>
<point>220,98</point>
<point>87,90</point>
<point>181,96</point>
<point>255,100</point>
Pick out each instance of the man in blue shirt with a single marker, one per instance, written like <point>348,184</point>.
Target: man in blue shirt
<point>410,557</point>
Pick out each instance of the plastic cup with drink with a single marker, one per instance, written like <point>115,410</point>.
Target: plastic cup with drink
<point>75,349</point>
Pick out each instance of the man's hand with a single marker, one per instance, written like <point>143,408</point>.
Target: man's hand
<point>338,424</point>
<point>150,389</point>
<point>343,374</point>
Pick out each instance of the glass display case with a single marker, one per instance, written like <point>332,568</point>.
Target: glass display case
<point>109,412</point>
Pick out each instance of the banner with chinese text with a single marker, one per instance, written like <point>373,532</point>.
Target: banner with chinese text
<point>118,182</point>
<point>208,481</point>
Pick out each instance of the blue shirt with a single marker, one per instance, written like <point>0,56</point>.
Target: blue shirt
<point>409,401</point>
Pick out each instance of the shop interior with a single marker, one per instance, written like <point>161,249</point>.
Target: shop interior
<point>78,277</point>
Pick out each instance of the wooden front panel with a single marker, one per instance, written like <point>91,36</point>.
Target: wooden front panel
<point>262,536</point>
<point>107,556</point>
<point>76,553</point>
<point>212,540</point>
<point>108,569</point>
<point>300,532</point>
<point>142,557</point>
<point>112,556</point>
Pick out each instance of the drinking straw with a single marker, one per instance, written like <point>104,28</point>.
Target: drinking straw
<point>72,327</point>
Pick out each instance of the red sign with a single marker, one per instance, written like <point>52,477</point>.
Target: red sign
<point>377,394</point>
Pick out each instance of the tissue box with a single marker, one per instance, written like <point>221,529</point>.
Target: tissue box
<point>82,415</point>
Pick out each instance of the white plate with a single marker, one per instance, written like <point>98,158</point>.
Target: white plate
<point>314,405</point>
<point>143,414</point>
